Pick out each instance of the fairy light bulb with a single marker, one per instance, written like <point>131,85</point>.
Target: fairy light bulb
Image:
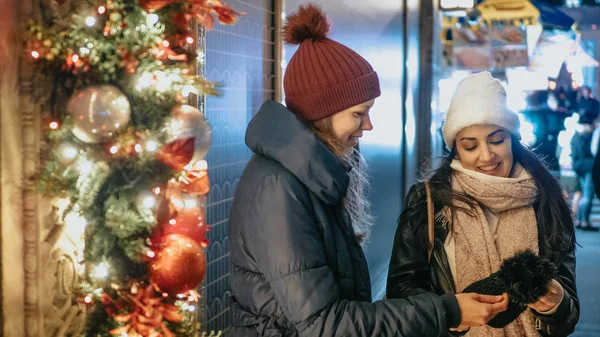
<point>151,254</point>
<point>101,10</point>
<point>152,19</point>
<point>173,222</point>
<point>35,54</point>
<point>149,201</point>
<point>53,125</point>
<point>189,40</point>
<point>90,21</point>
<point>75,58</point>
<point>84,50</point>
<point>144,81</point>
<point>138,148</point>
<point>114,149</point>
<point>165,43</point>
<point>75,225</point>
<point>63,203</point>
<point>156,190</point>
<point>101,271</point>
<point>88,299</point>
<point>190,203</point>
<point>66,151</point>
<point>85,166</point>
<point>151,146</point>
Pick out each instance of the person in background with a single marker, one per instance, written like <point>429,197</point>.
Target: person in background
<point>300,214</point>
<point>493,198</point>
<point>587,106</point>
<point>583,160</point>
<point>548,124</point>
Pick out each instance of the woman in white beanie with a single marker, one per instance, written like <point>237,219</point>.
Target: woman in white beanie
<point>492,199</point>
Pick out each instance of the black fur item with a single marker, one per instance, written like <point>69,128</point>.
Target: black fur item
<point>524,277</point>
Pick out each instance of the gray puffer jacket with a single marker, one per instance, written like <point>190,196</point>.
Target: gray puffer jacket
<point>297,268</point>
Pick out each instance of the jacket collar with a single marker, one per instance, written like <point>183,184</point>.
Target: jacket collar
<point>277,133</point>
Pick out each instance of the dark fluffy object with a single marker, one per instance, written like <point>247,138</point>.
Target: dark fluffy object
<point>524,277</point>
<point>308,23</point>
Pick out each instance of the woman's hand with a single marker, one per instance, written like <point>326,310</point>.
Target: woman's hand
<point>477,309</point>
<point>552,298</point>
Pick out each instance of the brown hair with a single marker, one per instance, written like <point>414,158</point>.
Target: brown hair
<point>324,131</point>
<point>356,202</point>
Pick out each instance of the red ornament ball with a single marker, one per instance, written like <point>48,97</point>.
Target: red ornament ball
<point>179,266</point>
<point>188,222</point>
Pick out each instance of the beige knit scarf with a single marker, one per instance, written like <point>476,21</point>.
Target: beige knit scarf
<point>479,252</point>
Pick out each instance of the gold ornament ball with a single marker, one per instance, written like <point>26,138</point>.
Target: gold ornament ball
<point>97,111</point>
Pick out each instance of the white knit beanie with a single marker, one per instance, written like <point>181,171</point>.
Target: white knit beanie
<point>479,99</point>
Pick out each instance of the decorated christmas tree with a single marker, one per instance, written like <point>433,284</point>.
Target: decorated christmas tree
<point>124,161</point>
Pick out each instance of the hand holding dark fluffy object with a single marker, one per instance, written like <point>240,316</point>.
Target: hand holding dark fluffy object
<point>525,277</point>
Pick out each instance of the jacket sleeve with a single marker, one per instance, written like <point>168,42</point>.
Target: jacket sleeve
<point>409,265</point>
<point>563,321</point>
<point>287,245</point>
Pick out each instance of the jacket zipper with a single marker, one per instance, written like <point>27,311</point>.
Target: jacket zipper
<point>443,263</point>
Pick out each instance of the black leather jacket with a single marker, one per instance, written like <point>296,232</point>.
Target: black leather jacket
<point>411,274</point>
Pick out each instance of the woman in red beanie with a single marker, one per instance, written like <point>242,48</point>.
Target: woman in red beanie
<point>300,214</point>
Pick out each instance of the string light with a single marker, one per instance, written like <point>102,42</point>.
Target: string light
<point>75,58</point>
<point>85,166</point>
<point>90,21</point>
<point>88,299</point>
<point>101,10</point>
<point>114,149</point>
<point>138,148</point>
<point>144,81</point>
<point>165,43</point>
<point>177,203</point>
<point>151,146</point>
<point>151,254</point>
<point>66,151</point>
<point>35,54</point>
<point>84,50</point>
<point>63,203</point>
<point>156,190</point>
<point>152,19</point>
<point>53,125</point>
<point>173,222</point>
<point>75,225</point>
<point>190,203</point>
<point>101,271</point>
<point>148,201</point>
<point>189,40</point>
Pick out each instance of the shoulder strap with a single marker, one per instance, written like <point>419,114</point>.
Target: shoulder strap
<point>430,220</point>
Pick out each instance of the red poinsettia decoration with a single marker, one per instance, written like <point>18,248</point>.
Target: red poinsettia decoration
<point>146,315</point>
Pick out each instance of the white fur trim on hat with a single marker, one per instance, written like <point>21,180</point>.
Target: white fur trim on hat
<point>479,99</point>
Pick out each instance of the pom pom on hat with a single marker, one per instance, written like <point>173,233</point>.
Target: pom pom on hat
<point>308,23</point>
<point>479,99</point>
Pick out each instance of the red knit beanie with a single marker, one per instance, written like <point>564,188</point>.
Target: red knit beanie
<point>323,77</point>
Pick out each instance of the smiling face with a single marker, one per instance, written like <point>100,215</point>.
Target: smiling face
<point>486,149</point>
<point>348,125</point>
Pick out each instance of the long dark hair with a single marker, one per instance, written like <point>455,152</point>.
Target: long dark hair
<point>554,217</point>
